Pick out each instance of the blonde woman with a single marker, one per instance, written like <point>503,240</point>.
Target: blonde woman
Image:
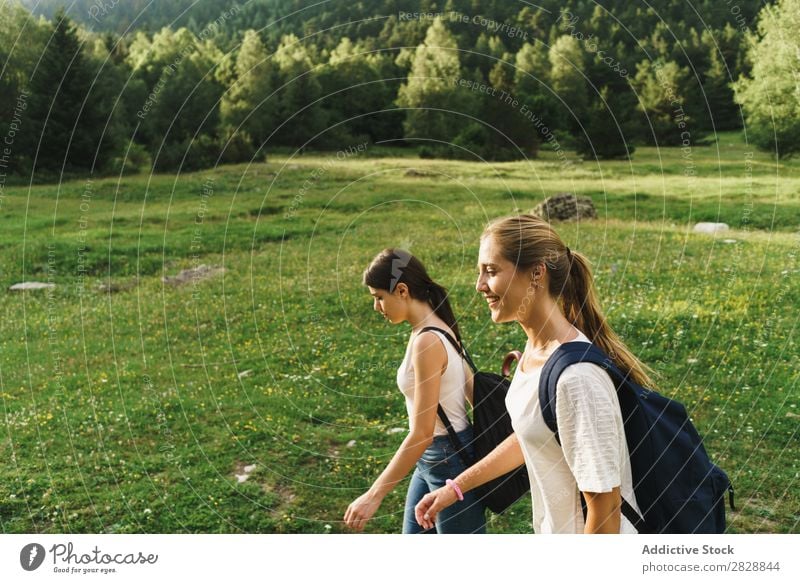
<point>529,276</point>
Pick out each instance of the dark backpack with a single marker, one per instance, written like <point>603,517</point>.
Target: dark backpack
<point>491,426</point>
<point>677,487</point>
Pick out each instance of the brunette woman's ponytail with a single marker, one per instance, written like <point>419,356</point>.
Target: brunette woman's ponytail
<point>439,301</point>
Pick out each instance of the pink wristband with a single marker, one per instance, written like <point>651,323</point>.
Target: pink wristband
<point>455,487</point>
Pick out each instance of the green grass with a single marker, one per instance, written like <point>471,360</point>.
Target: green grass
<point>125,413</point>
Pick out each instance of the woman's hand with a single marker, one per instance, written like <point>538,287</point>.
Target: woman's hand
<point>361,510</point>
<point>432,503</point>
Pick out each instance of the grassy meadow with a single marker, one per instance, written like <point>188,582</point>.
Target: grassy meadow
<point>133,411</point>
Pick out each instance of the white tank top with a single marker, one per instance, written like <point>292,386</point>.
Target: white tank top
<point>451,388</point>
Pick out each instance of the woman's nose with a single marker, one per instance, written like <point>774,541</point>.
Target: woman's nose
<point>480,285</point>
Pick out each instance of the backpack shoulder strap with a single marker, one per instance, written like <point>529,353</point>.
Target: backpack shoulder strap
<point>565,355</point>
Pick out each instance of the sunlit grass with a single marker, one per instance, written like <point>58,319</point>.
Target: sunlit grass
<point>132,412</point>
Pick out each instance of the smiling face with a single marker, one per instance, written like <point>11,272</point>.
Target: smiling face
<point>508,291</point>
<point>391,305</point>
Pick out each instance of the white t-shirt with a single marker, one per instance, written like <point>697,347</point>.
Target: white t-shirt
<point>451,387</point>
<point>593,455</point>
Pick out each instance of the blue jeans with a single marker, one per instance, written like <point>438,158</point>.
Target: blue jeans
<point>440,462</point>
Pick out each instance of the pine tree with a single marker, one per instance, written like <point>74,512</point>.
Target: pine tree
<point>249,105</point>
<point>432,90</point>
<point>532,82</point>
<point>607,130</point>
<point>568,81</point>
<point>22,40</point>
<point>67,118</point>
<point>183,104</point>
<point>509,136</point>
<point>299,110</point>
<point>661,89</point>
<point>351,83</point>
<point>719,96</point>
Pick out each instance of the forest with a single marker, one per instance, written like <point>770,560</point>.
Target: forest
<point>189,85</point>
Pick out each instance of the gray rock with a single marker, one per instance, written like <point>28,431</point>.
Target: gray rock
<point>710,228</point>
<point>195,274</point>
<point>565,206</point>
<point>110,287</point>
<point>31,286</point>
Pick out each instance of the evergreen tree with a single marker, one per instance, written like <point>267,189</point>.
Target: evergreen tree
<point>351,83</point>
<point>431,90</point>
<point>607,128</point>
<point>509,136</point>
<point>299,110</point>
<point>568,81</point>
<point>249,105</point>
<point>183,102</point>
<point>718,92</point>
<point>532,82</point>
<point>66,118</point>
<point>661,91</point>
<point>22,40</point>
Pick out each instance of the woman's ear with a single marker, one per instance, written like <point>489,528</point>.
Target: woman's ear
<point>401,290</point>
<point>537,274</point>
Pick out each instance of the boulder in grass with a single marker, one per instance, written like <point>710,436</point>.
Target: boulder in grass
<point>31,286</point>
<point>196,274</point>
<point>109,287</point>
<point>565,207</point>
<point>710,228</point>
<point>414,173</point>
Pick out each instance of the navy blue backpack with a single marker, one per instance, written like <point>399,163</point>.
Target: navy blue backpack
<point>677,488</point>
